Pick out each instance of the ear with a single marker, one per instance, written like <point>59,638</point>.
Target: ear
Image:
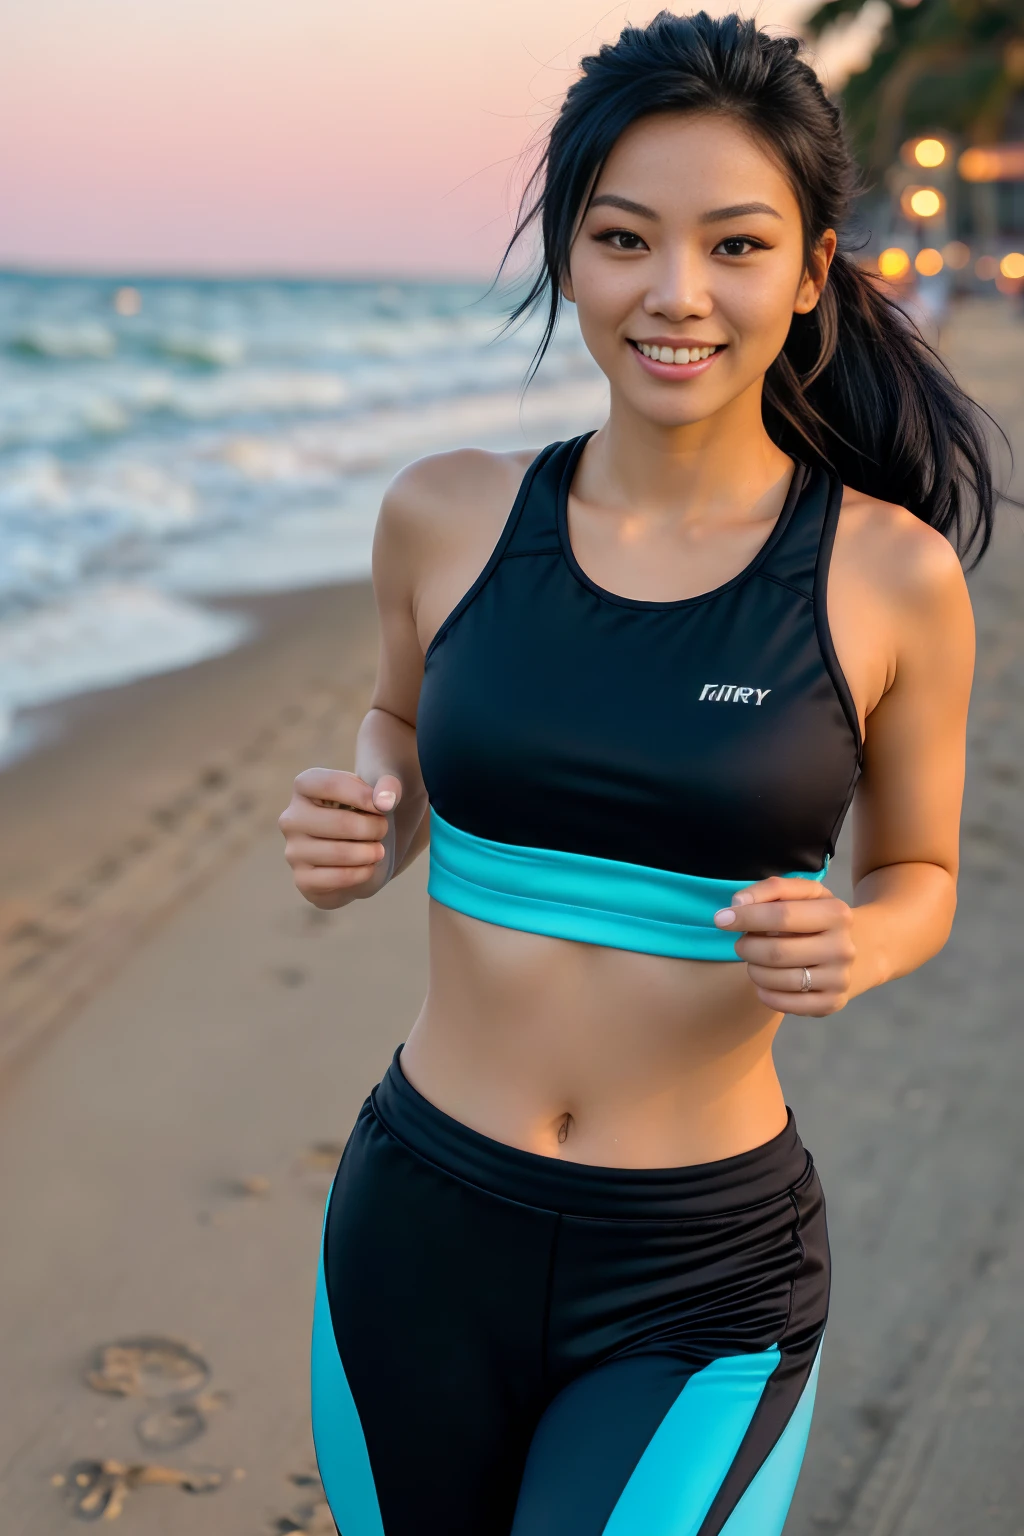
<point>816,274</point>
<point>565,288</point>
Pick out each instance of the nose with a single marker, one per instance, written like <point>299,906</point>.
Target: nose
<point>679,289</point>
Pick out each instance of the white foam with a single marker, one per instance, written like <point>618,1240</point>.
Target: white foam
<point>99,638</point>
<point>86,338</point>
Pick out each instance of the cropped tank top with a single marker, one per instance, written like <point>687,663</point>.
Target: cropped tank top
<point>612,770</point>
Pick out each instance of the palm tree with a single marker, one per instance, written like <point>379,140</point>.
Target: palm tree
<point>952,64</point>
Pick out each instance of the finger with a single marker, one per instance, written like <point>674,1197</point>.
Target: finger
<point>824,978</point>
<point>323,882</point>
<point>319,853</point>
<point>336,787</point>
<point>780,951</point>
<point>780,888</point>
<point>811,1005</point>
<point>387,792</point>
<point>785,916</point>
<point>304,819</point>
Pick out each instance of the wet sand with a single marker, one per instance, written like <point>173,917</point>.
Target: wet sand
<point>186,1045</point>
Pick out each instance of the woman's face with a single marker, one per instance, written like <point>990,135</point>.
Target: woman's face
<point>692,239</point>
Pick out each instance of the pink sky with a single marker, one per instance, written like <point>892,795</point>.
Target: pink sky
<point>289,135</point>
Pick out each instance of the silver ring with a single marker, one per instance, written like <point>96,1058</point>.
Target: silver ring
<point>805,983</point>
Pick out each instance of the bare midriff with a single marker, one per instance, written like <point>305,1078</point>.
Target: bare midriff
<point>591,1054</point>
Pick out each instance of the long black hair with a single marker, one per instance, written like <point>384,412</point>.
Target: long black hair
<point>856,387</point>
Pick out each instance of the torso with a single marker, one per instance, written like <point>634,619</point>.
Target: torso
<point>594,1053</point>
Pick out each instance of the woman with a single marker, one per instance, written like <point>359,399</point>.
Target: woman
<point>575,1271</point>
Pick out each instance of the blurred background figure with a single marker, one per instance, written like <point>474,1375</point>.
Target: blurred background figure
<point>245,257</point>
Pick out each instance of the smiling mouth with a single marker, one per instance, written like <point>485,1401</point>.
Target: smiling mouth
<point>680,356</point>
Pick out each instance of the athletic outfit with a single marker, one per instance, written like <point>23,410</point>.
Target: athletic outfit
<point>511,1345</point>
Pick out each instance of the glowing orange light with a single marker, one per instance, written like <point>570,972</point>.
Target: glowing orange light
<point>893,262</point>
<point>1012,265</point>
<point>924,202</point>
<point>957,255</point>
<point>929,152</point>
<point>992,162</point>
<point>928,262</point>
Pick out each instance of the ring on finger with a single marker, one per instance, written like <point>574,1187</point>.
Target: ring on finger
<point>805,979</point>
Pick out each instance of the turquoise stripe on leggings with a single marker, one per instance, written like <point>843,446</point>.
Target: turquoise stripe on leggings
<point>686,1460</point>
<point>577,896</point>
<point>341,1453</point>
<point>764,1506</point>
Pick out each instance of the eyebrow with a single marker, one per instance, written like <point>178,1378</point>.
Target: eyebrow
<point>715,216</point>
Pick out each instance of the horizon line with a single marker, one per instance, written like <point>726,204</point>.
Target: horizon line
<point>129,273</point>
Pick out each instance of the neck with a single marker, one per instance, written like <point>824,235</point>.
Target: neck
<point>702,471</point>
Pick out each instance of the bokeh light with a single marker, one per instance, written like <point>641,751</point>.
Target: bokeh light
<point>922,202</point>
<point>986,267</point>
<point>929,152</point>
<point>929,261</point>
<point>894,262</point>
<point>1012,264</point>
<point>957,255</point>
<point>127,301</point>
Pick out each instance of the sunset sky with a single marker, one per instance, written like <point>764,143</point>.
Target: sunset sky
<point>280,135</point>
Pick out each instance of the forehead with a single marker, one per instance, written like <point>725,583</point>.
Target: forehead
<point>683,163</point>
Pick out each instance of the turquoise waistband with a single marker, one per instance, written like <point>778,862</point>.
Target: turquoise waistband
<point>576,896</point>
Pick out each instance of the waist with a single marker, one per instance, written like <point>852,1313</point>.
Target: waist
<point>581,1189</point>
<point>580,897</point>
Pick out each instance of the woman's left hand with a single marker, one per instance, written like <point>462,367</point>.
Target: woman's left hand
<point>792,932</point>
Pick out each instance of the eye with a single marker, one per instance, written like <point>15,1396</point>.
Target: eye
<point>621,240</point>
<point>730,246</point>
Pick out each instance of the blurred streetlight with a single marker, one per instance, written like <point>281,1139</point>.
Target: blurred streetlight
<point>922,202</point>
<point>1012,265</point>
<point>928,152</point>
<point>894,263</point>
<point>929,262</point>
<point>992,162</point>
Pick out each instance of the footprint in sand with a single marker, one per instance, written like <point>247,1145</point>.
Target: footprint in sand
<point>149,1366</point>
<point>97,1490</point>
<point>171,1375</point>
<point>177,1422</point>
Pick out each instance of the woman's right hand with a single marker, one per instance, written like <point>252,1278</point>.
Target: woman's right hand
<point>336,834</point>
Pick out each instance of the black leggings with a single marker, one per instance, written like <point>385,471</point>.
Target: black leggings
<point>507,1343</point>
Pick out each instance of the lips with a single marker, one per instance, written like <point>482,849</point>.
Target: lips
<point>678,361</point>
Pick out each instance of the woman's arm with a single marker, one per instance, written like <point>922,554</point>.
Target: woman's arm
<point>907,808</point>
<point>347,834</point>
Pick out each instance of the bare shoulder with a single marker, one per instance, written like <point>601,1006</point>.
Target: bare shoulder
<point>439,521</point>
<point>897,556</point>
<point>439,498</point>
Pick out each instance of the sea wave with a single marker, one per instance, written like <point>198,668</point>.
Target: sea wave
<point>203,437</point>
<point>44,339</point>
<point>100,638</point>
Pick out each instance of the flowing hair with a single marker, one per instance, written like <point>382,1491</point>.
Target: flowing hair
<point>855,387</point>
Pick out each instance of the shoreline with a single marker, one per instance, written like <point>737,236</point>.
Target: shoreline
<point>135,793</point>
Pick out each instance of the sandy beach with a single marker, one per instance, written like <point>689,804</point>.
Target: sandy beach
<point>184,1045</point>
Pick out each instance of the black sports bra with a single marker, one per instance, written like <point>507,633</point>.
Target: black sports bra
<point>611,770</point>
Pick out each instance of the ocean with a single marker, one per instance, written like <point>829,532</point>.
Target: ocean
<point>164,442</point>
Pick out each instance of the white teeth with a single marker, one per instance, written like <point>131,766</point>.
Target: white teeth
<point>677,355</point>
